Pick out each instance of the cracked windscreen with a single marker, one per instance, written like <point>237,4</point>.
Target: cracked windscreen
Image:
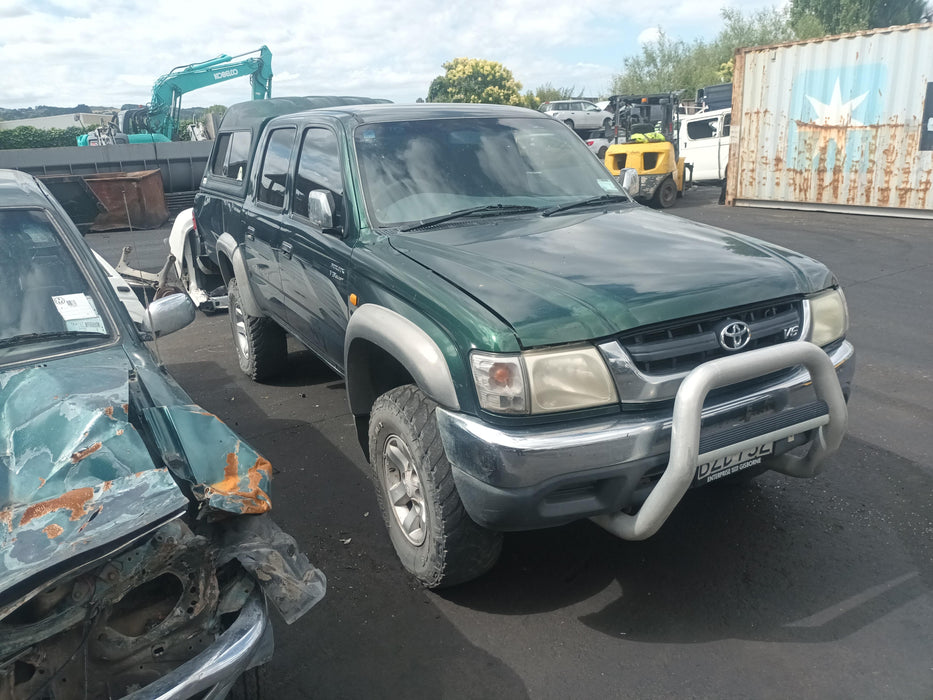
<point>46,302</point>
<point>415,171</point>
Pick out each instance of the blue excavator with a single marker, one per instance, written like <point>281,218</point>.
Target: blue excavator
<point>158,121</point>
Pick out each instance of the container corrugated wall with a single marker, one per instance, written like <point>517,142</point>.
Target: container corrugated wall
<point>840,122</point>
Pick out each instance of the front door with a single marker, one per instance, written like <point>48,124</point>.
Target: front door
<point>701,145</point>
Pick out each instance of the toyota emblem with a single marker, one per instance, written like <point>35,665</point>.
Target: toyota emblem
<point>735,335</point>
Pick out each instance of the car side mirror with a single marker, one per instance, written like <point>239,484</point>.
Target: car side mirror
<point>628,178</point>
<point>321,209</point>
<point>168,314</point>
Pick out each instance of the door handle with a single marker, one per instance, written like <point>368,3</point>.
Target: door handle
<point>250,233</point>
<point>287,250</point>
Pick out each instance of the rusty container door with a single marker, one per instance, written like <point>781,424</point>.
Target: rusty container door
<point>130,200</point>
<point>836,123</point>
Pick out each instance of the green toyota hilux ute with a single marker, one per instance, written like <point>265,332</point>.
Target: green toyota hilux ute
<point>523,345</point>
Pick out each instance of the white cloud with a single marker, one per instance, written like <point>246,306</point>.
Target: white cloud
<point>649,35</point>
<point>55,54</point>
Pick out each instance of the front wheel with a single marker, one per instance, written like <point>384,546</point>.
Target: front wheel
<point>259,341</point>
<point>666,194</point>
<point>434,537</point>
<point>569,122</point>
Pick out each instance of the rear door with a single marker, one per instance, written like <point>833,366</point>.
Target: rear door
<point>264,225</point>
<point>315,261</point>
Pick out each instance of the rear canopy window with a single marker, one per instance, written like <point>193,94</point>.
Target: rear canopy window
<point>230,155</point>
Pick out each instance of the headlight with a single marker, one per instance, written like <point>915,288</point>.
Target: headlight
<point>829,317</point>
<point>543,381</point>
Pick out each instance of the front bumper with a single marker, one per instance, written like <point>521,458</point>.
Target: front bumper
<point>540,476</point>
<point>245,644</point>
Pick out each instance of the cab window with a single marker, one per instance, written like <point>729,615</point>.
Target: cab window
<point>318,169</point>
<point>274,172</point>
<point>702,129</point>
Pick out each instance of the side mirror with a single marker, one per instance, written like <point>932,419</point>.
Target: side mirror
<point>628,178</point>
<point>168,314</point>
<point>321,209</point>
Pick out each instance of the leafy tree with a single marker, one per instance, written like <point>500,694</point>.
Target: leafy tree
<point>475,80</point>
<point>671,64</point>
<point>820,17</point>
<point>546,93</point>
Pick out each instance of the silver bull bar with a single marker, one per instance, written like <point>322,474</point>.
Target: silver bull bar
<point>685,430</point>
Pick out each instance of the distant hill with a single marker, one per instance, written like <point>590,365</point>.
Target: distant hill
<point>11,114</point>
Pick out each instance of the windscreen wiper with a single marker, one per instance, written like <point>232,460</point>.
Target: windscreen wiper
<point>486,210</point>
<point>27,338</point>
<point>588,202</point>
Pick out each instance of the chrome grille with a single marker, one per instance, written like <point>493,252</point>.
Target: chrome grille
<point>680,346</point>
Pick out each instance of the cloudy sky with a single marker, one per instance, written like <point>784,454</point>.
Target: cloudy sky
<point>65,52</point>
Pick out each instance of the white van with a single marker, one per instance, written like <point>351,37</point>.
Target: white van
<point>704,143</point>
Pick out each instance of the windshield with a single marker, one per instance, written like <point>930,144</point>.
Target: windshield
<point>416,170</point>
<point>46,302</point>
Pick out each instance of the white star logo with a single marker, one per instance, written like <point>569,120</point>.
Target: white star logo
<point>837,112</point>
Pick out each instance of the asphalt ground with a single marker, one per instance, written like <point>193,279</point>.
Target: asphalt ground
<point>819,588</point>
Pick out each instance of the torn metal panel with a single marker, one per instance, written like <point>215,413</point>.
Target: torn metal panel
<point>837,121</point>
<point>74,472</point>
<point>224,471</point>
<point>287,578</point>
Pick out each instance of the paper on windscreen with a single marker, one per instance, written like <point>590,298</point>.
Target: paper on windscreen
<point>78,312</point>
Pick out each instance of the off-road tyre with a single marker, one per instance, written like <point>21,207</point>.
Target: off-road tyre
<point>666,194</point>
<point>260,342</point>
<point>441,546</point>
<point>602,153</point>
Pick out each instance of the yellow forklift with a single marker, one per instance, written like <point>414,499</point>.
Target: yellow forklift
<point>645,137</point>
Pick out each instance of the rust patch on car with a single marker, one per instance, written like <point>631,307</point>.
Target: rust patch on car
<point>78,456</point>
<point>252,498</point>
<point>75,501</point>
<point>52,530</point>
<point>108,411</point>
<point>6,517</point>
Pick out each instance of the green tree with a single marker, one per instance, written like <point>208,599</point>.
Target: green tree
<point>671,64</point>
<point>546,93</point>
<point>475,80</point>
<point>820,17</point>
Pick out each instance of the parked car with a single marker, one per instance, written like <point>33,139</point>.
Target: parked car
<point>522,346</point>
<point>577,114</point>
<point>597,142</point>
<point>137,556</point>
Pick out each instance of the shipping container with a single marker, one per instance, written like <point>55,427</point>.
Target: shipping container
<point>841,123</point>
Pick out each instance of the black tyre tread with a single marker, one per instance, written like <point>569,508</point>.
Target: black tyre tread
<point>463,549</point>
<point>267,341</point>
<point>658,198</point>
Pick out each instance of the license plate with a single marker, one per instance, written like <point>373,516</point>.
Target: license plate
<point>724,466</point>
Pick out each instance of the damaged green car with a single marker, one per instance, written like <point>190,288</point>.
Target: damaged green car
<point>137,558</point>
